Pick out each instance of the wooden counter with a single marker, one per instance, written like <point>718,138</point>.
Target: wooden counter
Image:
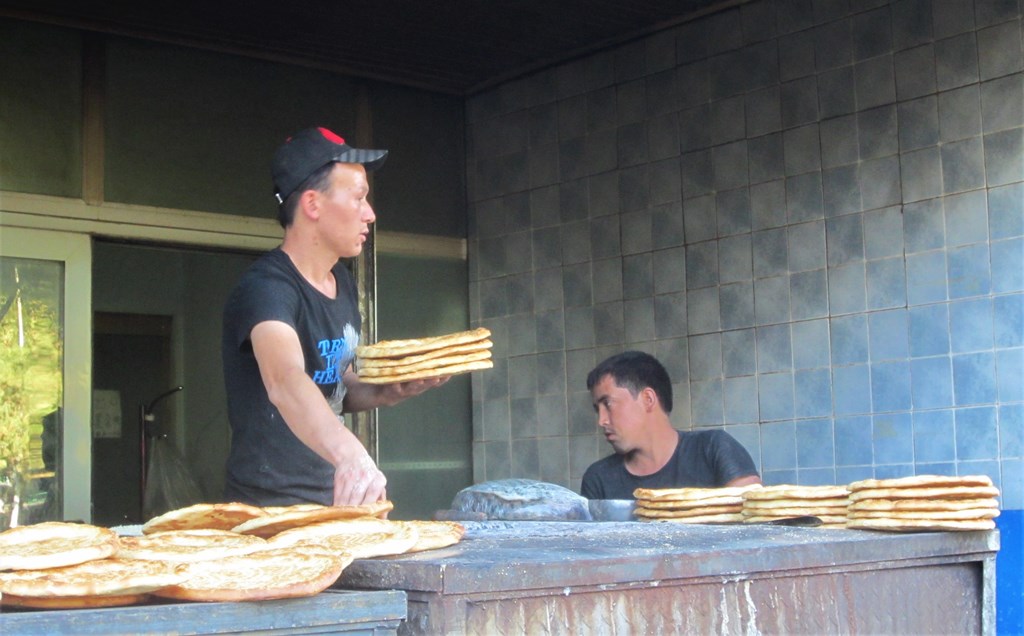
<point>635,577</point>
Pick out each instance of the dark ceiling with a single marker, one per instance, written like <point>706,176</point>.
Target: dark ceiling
<point>451,46</point>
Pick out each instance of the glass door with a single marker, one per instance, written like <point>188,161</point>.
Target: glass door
<point>44,376</point>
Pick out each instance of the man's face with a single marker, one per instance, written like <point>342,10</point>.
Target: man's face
<point>345,213</point>
<point>619,415</point>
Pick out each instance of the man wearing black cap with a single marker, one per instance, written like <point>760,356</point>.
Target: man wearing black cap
<point>291,327</point>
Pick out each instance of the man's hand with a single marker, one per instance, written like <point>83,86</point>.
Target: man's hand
<point>358,481</point>
<point>392,394</point>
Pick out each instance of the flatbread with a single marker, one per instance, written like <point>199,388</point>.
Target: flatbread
<point>825,519</point>
<point>381,363</point>
<point>270,574</point>
<point>641,511</point>
<point>94,578</point>
<point>398,348</point>
<point>359,538</point>
<point>795,511</point>
<point>73,602</point>
<point>218,516</point>
<point>445,361</point>
<point>676,504</point>
<point>438,372</point>
<point>768,504</point>
<point>922,504</point>
<point>690,494</point>
<point>431,535</point>
<point>966,515</point>
<point>54,544</point>
<point>287,517</point>
<point>918,481</point>
<point>939,492</point>
<point>910,525</point>
<point>183,546</point>
<point>721,518</point>
<point>790,491</point>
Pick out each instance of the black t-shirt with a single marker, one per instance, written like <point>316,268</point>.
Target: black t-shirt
<point>267,463</point>
<point>703,459</point>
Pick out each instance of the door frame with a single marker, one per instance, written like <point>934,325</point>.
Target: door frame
<point>74,251</point>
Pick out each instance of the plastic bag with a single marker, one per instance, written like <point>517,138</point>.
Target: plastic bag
<point>169,485</point>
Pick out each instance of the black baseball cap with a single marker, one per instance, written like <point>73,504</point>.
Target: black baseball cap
<point>307,151</point>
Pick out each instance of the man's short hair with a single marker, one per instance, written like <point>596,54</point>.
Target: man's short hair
<point>320,181</point>
<point>635,371</point>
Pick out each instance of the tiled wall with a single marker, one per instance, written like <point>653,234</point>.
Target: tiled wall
<point>812,212</point>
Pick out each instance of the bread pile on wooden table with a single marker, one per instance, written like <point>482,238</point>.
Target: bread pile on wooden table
<point>204,552</point>
<point>775,503</point>
<point>924,502</point>
<point>390,361</point>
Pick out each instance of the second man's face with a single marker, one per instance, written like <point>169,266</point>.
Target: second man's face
<point>345,212</point>
<point>619,415</point>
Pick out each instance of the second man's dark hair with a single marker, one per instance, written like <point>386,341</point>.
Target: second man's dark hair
<point>635,371</point>
<point>319,181</point>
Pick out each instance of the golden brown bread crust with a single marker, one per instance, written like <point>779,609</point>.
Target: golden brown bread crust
<point>54,544</point>
<point>399,348</point>
<point>217,516</point>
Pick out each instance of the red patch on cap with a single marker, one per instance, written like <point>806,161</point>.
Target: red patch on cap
<point>331,137</point>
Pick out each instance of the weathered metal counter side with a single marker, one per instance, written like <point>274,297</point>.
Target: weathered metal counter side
<point>555,577</point>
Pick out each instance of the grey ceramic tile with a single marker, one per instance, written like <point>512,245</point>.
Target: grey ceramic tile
<point>765,158</point>
<point>804,197</point>
<point>695,128</point>
<point>1002,103</point>
<point>841,189</point>
<point>911,22</point>
<point>607,276</point>
<point>703,310</point>
<point>799,101</point>
<point>1004,156</point>
<point>736,303</point>
<point>812,397</point>
<point>966,218</point>
<point>768,205</point>
<point>915,72</point>
<point>893,439</point>
<point>771,300</point>
<point>872,33</point>
<point>877,134</point>
<point>637,276</point>
<point>956,61</point>
<point>845,239</point>
<point>665,186</point>
<point>968,271</point>
<point>839,141</point>
<point>739,353</point>
<point>697,174</point>
<point>883,233</point>
<point>929,330</point>
<point>733,211</point>
<point>728,120</point>
<point>886,283</point>
<point>875,82</point>
<point>605,237</point>
<point>705,356</point>
<point>522,379</point>
<point>921,174</point>
<point>836,96</point>
<point>544,208</point>
<point>520,294</point>
<point>774,349</point>
<point>701,266</point>
<point>666,226</point>
<point>1008,316</point>
<point>706,402</point>
<point>577,285</point>
<point>609,327</point>
<point>636,232</point>
<point>632,144</point>
<point>547,247</point>
<point>924,226</point>
<point>670,315</point>
<point>1008,265</point>
<point>638,315</point>
<point>674,355</point>
<point>934,436</point>
<point>974,378</point>
<point>833,45</point>
<point>811,348</point>
<point>729,163</point>
<point>496,419</point>
<point>955,18</point>
<point>796,55</point>
<point>999,50</point>
<point>959,113</point>
<point>880,182</point>
<point>801,149</point>
<point>976,433</point>
<point>550,331</point>
<point>888,335</point>
<point>1006,211</point>
<point>763,112</point>
<point>554,460</point>
<point>808,294</point>
<point>523,412</point>
<point>735,259</point>
<point>919,123</point>
<point>739,396</point>
<point>700,219</point>
<point>853,441</point>
<point>634,188</point>
<point>847,288</point>
<point>775,396</point>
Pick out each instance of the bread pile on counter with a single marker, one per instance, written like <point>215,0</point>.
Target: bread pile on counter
<point>922,502</point>
<point>205,552</point>
<point>390,361</point>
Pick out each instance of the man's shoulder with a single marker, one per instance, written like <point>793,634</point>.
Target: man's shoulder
<point>605,464</point>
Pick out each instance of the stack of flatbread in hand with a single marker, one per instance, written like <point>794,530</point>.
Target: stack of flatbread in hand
<point>785,501</point>
<point>924,502</point>
<point>391,361</point>
<point>691,505</point>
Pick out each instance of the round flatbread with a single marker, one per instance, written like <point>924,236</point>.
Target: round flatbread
<point>436,372</point>
<point>722,518</point>
<point>796,511</point>
<point>965,515</point>
<point>382,363</point>
<point>398,348</point>
<point>54,544</point>
<point>72,602</point>
<point>922,504</point>
<point>676,504</point>
<point>691,494</point>
<point>431,535</point>
<point>911,525</point>
<point>183,546</point>
<point>790,491</point>
<point>104,577</point>
<point>641,511</point>
<point>939,492</point>
<point>288,517</point>
<point>216,516</point>
<point>436,363</point>
<point>270,574</point>
<point>769,504</point>
<point>918,481</point>
<point>360,538</point>
<point>825,519</point>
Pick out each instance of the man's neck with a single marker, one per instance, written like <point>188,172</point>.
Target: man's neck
<point>653,456</point>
